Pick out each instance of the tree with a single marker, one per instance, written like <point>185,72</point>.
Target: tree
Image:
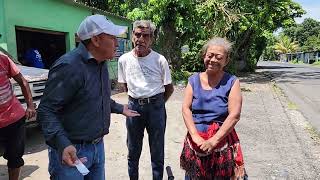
<point>312,44</point>
<point>286,45</point>
<point>95,3</point>
<point>186,22</point>
<point>269,52</point>
<point>191,22</point>
<point>307,34</point>
<point>259,19</point>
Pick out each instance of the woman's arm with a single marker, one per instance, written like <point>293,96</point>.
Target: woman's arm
<point>234,109</point>
<point>187,116</point>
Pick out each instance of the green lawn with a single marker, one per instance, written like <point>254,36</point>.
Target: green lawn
<point>316,64</point>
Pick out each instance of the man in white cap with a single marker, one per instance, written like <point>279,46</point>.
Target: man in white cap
<point>74,112</point>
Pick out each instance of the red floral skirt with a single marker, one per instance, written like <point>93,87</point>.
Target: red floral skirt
<point>225,161</point>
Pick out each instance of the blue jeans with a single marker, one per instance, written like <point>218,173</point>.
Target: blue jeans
<point>153,118</point>
<point>95,163</point>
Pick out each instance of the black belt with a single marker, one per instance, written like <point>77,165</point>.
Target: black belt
<point>95,141</point>
<point>149,100</point>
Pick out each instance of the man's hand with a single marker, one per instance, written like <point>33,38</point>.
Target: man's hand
<point>30,112</point>
<point>122,87</point>
<point>69,155</point>
<point>128,112</point>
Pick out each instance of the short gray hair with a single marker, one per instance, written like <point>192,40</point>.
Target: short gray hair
<point>217,41</point>
<point>145,24</point>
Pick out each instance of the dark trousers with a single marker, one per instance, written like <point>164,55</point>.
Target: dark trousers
<point>12,142</point>
<point>153,119</point>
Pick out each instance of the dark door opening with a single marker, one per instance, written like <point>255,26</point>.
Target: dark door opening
<point>50,44</point>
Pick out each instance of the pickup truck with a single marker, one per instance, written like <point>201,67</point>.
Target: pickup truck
<point>36,78</point>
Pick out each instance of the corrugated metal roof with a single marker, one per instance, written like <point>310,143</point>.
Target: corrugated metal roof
<point>75,2</point>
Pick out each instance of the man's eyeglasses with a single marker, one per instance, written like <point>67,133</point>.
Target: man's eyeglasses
<point>138,35</point>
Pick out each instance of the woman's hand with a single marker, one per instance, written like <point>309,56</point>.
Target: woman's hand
<point>196,138</point>
<point>209,145</point>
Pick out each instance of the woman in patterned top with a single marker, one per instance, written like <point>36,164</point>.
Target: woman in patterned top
<point>211,108</point>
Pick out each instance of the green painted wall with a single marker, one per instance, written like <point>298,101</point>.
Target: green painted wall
<point>55,15</point>
<point>3,40</point>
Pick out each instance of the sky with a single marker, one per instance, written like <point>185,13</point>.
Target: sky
<point>312,7</point>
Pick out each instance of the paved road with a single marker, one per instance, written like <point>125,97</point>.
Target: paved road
<point>301,83</point>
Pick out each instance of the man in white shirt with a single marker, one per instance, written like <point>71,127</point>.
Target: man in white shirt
<point>145,75</point>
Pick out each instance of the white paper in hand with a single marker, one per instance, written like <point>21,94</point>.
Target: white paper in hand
<point>81,167</point>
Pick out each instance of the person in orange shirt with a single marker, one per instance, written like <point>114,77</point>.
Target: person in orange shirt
<point>13,115</point>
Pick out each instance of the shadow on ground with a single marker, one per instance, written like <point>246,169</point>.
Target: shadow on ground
<point>256,77</point>
<point>35,141</point>
<point>275,67</point>
<point>25,171</point>
<point>289,73</point>
<point>291,77</point>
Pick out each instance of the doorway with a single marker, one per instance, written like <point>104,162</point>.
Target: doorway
<point>49,44</point>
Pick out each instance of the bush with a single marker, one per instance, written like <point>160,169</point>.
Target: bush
<point>317,63</point>
<point>295,61</point>
<point>180,76</point>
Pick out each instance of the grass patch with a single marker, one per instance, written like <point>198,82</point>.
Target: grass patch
<point>292,106</point>
<point>180,77</point>
<point>276,89</point>
<point>317,63</point>
<point>243,89</point>
<point>295,61</point>
<point>313,133</point>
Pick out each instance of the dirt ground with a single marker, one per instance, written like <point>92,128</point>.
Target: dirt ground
<point>277,142</point>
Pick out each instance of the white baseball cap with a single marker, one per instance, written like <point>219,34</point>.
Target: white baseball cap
<point>96,24</point>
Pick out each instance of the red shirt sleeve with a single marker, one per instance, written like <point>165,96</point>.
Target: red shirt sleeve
<point>10,66</point>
